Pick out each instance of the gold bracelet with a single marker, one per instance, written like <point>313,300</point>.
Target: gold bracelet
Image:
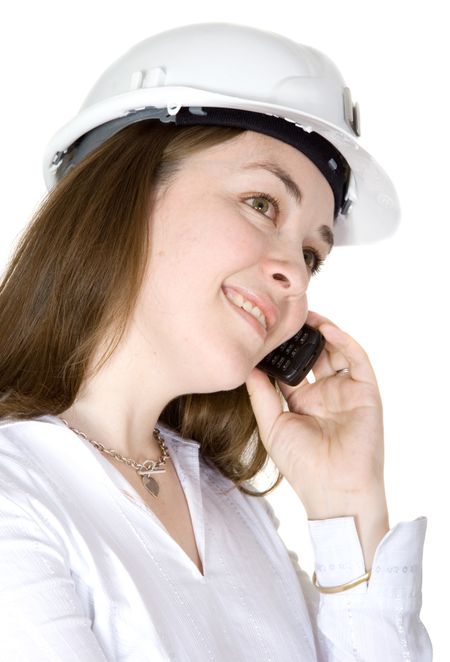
<point>342,587</point>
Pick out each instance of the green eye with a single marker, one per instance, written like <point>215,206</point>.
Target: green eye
<point>267,198</point>
<point>259,204</point>
<point>317,261</point>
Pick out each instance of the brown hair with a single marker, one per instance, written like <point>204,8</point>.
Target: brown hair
<point>74,278</point>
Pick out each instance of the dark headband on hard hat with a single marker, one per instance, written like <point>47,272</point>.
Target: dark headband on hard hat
<point>320,151</point>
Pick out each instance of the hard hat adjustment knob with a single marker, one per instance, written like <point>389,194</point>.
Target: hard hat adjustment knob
<point>351,112</point>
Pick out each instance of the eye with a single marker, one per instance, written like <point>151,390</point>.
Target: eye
<point>261,207</point>
<point>315,263</point>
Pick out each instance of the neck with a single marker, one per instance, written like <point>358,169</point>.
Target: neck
<point>119,406</point>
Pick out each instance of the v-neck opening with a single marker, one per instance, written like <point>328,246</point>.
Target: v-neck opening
<point>136,499</point>
<point>126,490</point>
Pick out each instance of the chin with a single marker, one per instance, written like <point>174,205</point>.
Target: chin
<point>223,385</point>
<point>224,378</point>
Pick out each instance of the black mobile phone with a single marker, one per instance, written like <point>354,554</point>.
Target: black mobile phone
<point>291,361</point>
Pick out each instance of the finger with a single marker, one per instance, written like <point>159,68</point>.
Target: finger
<point>266,402</point>
<point>315,319</point>
<point>341,344</point>
<point>329,360</point>
<point>323,366</point>
<point>287,390</point>
<point>333,358</point>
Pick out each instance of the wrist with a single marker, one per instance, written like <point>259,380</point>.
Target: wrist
<point>330,503</point>
<point>370,513</point>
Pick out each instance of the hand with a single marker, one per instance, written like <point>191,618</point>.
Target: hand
<point>329,445</point>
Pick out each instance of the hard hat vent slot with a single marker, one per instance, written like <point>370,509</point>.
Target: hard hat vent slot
<point>156,77</point>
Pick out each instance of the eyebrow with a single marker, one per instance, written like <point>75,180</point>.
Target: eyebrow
<point>293,190</point>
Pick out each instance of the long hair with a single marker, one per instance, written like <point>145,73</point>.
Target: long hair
<point>74,277</point>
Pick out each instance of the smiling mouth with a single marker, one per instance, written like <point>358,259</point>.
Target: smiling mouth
<point>246,305</point>
<point>250,319</point>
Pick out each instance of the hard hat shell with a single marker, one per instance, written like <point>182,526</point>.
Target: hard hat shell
<point>226,65</point>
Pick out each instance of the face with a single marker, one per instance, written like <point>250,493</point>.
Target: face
<point>215,231</point>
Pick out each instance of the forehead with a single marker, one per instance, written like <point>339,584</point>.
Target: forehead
<point>250,149</point>
<point>250,145</point>
<point>301,177</point>
<point>245,157</point>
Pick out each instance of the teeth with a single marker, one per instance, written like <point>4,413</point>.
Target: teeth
<point>239,300</point>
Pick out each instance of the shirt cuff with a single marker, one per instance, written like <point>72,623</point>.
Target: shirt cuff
<point>397,562</point>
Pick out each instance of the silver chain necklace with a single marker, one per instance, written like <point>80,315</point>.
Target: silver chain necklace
<point>143,470</point>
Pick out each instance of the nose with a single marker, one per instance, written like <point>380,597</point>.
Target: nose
<point>290,272</point>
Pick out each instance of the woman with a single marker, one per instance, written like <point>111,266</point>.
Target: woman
<point>190,202</point>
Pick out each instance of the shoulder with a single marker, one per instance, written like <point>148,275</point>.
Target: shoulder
<point>34,462</point>
<point>19,442</point>
<point>12,451</point>
<point>28,498</point>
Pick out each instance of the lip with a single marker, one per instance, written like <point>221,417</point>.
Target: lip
<point>249,318</point>
<point>266,306</point>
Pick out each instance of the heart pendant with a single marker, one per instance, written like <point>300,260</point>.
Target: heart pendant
<point>151,485</point>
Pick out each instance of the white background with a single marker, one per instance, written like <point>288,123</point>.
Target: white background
<point>391,297</point>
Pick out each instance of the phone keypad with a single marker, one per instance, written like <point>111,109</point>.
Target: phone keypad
<point>294,358</point>
<point>288,350</point>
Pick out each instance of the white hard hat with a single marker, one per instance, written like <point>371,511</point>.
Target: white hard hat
<point>234,75</point>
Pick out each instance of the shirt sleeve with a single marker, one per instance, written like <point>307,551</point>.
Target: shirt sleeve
<point>375,620</point>
<point>41,616</point>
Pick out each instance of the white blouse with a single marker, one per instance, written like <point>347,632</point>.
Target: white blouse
<point>88,573</point>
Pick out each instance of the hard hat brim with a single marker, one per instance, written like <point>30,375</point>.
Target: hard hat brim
<point>375,210</point>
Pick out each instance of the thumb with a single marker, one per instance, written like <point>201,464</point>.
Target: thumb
<point>266,402</point>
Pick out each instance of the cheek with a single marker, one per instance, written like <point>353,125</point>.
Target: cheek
<point>235,233</point>
<point>223,241</point>
<point>217,239</point>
